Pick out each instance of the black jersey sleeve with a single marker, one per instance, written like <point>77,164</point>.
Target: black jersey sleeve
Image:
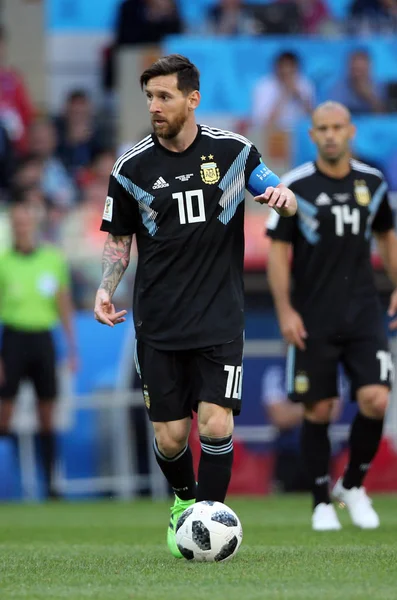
<point>283,230</point>
<point>383,219</point>
<point>121,212</point>
<point>257,175</point>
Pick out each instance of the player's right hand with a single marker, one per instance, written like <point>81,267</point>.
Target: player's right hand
<point>105,311</point>
<point>293,328</point>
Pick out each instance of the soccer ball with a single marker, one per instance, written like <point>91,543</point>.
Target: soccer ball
<point>208,532</point>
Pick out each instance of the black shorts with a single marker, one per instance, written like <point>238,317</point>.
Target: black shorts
<point>174,382</point>
<point>28,355</point>
<point>312,374</point>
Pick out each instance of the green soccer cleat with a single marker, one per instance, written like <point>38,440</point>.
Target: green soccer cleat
<point>177,509</point>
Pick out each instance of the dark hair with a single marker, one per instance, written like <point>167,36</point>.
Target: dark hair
<point>290,56</point>
<point>77,94</point>
<point>26,160</point>
<point>19,193</point>
<point>361,52</point>
<point>187,73</point>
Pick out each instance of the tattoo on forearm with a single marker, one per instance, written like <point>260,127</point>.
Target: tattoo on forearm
<point>115,259</point>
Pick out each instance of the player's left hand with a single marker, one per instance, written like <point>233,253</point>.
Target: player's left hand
<point>280,198</point>
<point>392,312</point>
<point>105,311</point>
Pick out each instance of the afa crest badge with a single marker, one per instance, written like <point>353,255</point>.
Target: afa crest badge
<point>146,396</point>
<point>301,383</point>
<point>210,173</point>
<point>361,192</point>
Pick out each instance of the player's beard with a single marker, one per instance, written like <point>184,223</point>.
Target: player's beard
<point>171,130</point>
<point>335,158</point>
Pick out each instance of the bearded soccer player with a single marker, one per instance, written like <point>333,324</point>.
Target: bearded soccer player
<point>181,191</point>
<point>334,314</point>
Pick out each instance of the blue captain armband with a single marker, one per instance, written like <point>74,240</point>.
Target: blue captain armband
<point>261,178</point>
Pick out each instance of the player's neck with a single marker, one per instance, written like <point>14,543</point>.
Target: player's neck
<point>183,140</point>
<point>336,170</point>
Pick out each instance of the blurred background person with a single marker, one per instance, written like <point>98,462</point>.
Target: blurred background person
<point>7,163</point>
<point>28,171</point>
<point>16,107</point>
<point>138,23</point>
<point>282,99</point>
<point>146,21</point>
<point>373,16</point>
<point>34,296</point>
<point>231,17</point>
<point>57,185</point>
<point>315,16</point>
<point>358,90</point>
<point>78,132</point>
<point>99,169</point>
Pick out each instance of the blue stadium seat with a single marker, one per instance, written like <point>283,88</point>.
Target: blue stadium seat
<point>230,64</point>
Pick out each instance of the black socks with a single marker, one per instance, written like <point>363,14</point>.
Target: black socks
<point>215,468</point>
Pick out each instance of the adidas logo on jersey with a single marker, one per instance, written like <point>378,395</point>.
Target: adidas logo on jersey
<point>322,200</point>
<point>160,183</point>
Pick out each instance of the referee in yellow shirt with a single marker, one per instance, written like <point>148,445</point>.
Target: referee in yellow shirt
<point>34,296</point>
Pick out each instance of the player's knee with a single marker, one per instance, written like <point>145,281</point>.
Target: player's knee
<point>319,412</point>
<point>170,443</point>
<point>216,423</point>
<point>374,404</point>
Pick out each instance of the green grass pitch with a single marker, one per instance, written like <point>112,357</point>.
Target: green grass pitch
<point>117,551</point>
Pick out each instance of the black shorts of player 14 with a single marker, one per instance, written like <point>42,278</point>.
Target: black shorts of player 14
<point>334,315</point>
<point>181,192</point>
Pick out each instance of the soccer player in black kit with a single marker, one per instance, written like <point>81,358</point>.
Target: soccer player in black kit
<point>181,191</point>
<point>334,315</point>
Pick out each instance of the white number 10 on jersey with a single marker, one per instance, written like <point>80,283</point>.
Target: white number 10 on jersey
<point>189,211</point>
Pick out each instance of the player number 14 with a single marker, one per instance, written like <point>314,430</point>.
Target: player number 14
<point>346,216</point>
<point>190,206</point>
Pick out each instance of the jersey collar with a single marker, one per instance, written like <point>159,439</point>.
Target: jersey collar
<point>188,150</point>
<point>320,172</point>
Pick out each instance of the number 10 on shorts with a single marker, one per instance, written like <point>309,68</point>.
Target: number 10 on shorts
<point>234,382</point>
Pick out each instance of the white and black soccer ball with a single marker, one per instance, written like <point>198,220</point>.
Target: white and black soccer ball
<point>208,532</point>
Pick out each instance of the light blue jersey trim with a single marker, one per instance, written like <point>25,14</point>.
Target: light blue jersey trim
<point>233,187</point>
<point>374,206</point>
<point>307,222</point>
<point>291,353</point>
<point>144,200</point>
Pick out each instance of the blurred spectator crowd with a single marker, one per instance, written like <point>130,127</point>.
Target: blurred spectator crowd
<point>62,162</point>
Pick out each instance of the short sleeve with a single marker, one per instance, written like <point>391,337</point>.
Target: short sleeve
<point>383,219</point>
<point>257,175</point>
<point>121,211</point>
<point>281,229</point>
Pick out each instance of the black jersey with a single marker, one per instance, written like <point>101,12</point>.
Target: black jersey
<point>331,236</point>
<point>187,211</point>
